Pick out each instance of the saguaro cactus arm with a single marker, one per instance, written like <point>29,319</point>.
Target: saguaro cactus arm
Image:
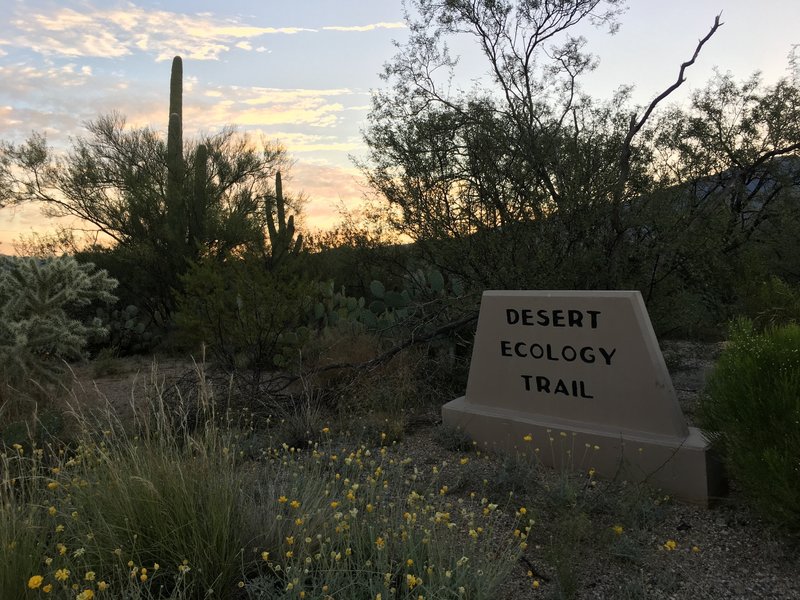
<point>281,231</point>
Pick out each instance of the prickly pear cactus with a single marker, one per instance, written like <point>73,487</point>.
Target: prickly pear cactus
<point>129,330</point>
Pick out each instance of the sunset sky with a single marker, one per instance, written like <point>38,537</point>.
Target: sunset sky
<point>301,72</point>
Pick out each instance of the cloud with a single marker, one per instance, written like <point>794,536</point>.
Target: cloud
<point>58,99</point>
<point>328,188</point>
<point>370,27</point>
<point>113,33</point>
<point>299,143</point>
<point>95,31</point>
<point>258,107</point>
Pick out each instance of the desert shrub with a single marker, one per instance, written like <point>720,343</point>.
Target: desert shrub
<point>771,302</point>
<point>751,411</point>
<point>246,314</point>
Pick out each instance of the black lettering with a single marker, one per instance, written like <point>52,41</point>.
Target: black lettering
<point>537,348</point>
<point>544,317</point>
<point>527,316</point>
<point>505,348</point>
<point>542,384</point>
<point>583,393</point>
<point>572,351</point>
<point>607,355</point>
<point>527,379</point>
<point>593,314</point>
<point>512,316</point>
<point>587,354</point>
<point>550,353</point>
<point>518,349</point>
<point>558,318</point>
<point>561,388</point>
<point>575,318</point>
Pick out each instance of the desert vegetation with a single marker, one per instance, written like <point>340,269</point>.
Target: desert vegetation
<point>298,452</point>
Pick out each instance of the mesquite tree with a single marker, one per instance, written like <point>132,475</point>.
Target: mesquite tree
<point>519,179</point>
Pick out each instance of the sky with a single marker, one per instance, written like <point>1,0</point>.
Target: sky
<point>302,72</point>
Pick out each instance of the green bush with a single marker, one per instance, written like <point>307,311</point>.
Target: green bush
<point>247,315</point>
<point>751,410</point>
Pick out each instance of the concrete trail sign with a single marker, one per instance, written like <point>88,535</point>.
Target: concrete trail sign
<point>586,365</point>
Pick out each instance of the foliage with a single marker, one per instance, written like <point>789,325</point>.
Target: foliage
<point>39,328</point>
<point>751,411</point>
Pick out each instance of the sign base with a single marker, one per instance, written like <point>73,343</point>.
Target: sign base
<point>682,467</point>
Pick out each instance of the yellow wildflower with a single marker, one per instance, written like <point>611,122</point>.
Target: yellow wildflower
<point>35,582</point>
<point>670,545</point>
<point>618,529</point>
<point>62,574</point>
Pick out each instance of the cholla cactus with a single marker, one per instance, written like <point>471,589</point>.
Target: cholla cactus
<point>37,332</point>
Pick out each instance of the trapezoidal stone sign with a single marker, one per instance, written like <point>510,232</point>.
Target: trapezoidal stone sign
<point>580,376</point>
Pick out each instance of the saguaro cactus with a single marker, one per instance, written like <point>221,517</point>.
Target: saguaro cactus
<point>175,168</point>
<point>281,232</point>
